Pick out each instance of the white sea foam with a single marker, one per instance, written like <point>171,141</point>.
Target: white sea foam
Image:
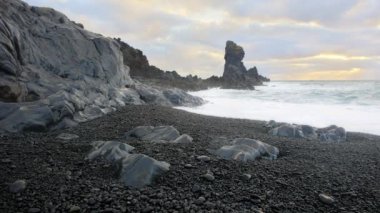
<point>354,105</point>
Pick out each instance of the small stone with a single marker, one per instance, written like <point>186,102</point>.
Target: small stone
<point>148,209</point>
<point>209,176</point>
<point>326,199</point>
<point>74,209</point>
<point>196,188</point>
<point>188,166</point>
<point>34,210</point>
<point>204,158</point>
<point>67,136</point>
<point>246,176</point>
<point>200,200</point>
<point>91,201</point>
<point>6,160</point>
<point>17,186</point>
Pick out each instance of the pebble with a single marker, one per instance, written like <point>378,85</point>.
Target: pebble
<point>17,186</point>
<point>326,199</point>
<point>196,188</point>
<point>246,176</point>
<point>200,200</point>
<point>34,210</point>
<point>91,201</point>
<point>188,166</point>
<point>204,158</point>
<point>67,136</point>
<point>74,209</point>
<point>148,209</point>
<point>6,160</point>
<point>209,176</point>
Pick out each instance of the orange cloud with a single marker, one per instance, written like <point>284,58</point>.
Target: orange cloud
<point>352,74</point>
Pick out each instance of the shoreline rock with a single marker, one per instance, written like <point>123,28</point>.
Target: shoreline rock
<point>331,133</point>
<point>55,74</point>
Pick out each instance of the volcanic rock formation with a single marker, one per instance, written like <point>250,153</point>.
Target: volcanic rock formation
<point>54,73</point>
<point>235,75</point>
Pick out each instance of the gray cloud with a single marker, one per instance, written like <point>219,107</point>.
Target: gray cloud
<point>189,36</point>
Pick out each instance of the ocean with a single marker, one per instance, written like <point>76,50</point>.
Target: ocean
<point>354,105</point>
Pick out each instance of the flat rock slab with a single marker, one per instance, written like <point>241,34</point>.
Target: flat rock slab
<point>246,149</point>
<point>159,134</point>
<point>67,136</point>
<point>135,170</point>
<point>110,150</point>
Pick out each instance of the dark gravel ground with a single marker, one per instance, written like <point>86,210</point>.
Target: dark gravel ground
<point>58,178</point>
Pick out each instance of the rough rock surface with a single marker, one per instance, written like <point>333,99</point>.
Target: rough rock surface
<point>331,133</point>
<point>110,150</point>
<point>54,73</point>
<point>235,75</point>
<point>138,170</point>
<point>134,170</point>
<point>160,134</point>
<point>246,149</point>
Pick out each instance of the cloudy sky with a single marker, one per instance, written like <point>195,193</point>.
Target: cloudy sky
<point>285,39</point>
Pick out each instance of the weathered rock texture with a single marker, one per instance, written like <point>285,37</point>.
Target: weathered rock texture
<point>235,75</point>
<point>331,133</point>
<point>246,149</point>
<point>54,73</point>
<point>159,134</point>
<point>134,170</point>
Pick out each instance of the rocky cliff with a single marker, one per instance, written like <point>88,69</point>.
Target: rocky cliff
<point>141,70</point>
<point>54,73</point>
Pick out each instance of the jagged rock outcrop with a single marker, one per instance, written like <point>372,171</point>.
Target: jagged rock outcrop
<point>54,73</point>
<point>235,75</point>
<point>331,133</point>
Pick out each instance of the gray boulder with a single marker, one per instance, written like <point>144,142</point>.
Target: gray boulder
<point>287,130</point>
<point>330,134</point>
<point>160,134</point>
<point>245,149</point>
<point>138,170</point>
<point>178,97</point>
<point>28,118</point>
<point>134,170</point>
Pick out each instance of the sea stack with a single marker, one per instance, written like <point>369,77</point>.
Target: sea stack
<point>236,75</point>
